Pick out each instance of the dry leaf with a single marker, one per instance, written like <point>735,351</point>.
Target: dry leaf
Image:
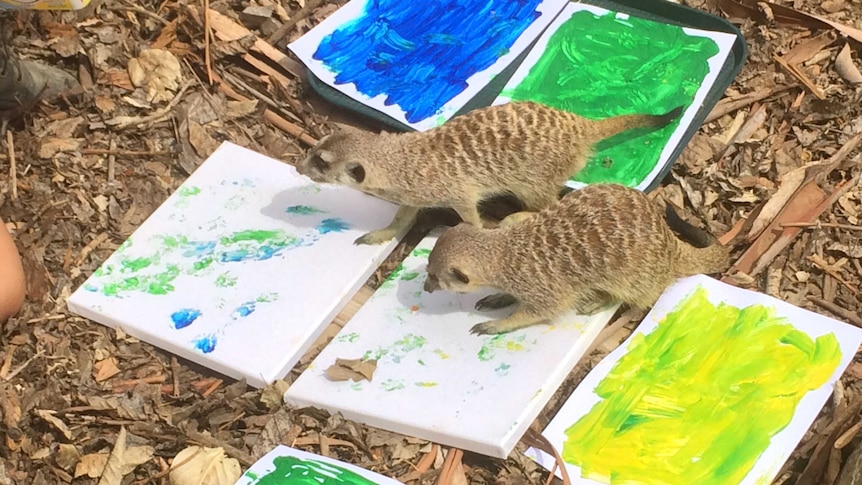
<point>67,456</point>
<point>105,369</point>
<point>238,109</point>
<point>159,71</point>
<point>790,183</point>
<point>204,466</point>
<point>355,369</point>
<point>786,15</point>
<point>91,465</point>
<point>123,460</point>
<point>202,142</point>
<point>845,67</point>
<point>104,103</point>
<point>54,421</point>
<point>852,251</point>
<point>53,146</point>
<point>273,394</point>
<point>64,128</point>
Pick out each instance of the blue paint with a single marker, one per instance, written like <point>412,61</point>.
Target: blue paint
<point>332,225</point>
<point>420,54</point>
<point>183,318</point>
<point>246,309</point>
<point>199,249</point>
<point>206,344</point>
<point>260,254</point>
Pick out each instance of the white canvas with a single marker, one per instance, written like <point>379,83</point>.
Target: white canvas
<point>241,268</point>
<point>436,381</point>
<point>723,41</point>
<point>285,466</point>
<point>464,32</point>
<point>744,367</point>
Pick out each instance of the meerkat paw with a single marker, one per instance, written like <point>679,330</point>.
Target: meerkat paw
<point>491,327</point>
<point>495,301</point>
<point>375,237</point>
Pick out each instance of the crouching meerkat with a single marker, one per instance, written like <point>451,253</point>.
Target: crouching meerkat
<point>599,245</point>
<point>524,149</point>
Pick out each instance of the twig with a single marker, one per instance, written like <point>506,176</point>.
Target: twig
<point>817,225</point>
<point>423,466</point>
<point>121,122</point>
<point>294,19</point>
<point>112,169</point>
<point>851,317</point>
<point>207,37</point>
<point>13,171</point>
<point>86,250</point>
<point>726,106</point>
<point>126,153</point>
<point>211,389</point>
<point>212,442</point>
<point>125,385</point>
<point>22,366</point>
<point>820,263</point>
<point>142,11</point>
<point>175,376</point>
<point>450,464</point>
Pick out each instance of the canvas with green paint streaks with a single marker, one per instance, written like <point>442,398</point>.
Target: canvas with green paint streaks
<point>716,387</point>
<point>289,466</point>
<point>435,380</point>
<point>240,267</point>
<point>598,63</point>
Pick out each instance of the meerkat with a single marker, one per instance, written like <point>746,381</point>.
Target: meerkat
<point>598,245</point>
<point>524,149</point>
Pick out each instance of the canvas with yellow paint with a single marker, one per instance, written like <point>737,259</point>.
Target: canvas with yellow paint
<point>717,386</point>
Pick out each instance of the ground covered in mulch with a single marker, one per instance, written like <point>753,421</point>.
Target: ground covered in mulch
<point>92,166</point>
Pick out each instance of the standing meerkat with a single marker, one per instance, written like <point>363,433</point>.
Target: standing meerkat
<point>524,149</point>
<point>599,245</point>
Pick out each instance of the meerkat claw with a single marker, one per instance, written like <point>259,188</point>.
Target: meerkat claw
<point>374,237</point>
<point>486,328</point>
<point>495,301</point>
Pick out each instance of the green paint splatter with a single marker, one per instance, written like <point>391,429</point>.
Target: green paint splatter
<point>350,337</point>
<point>420,362</point>
<point>426,384</point>
<point>356,386</point>
<point>398,349</point>
<point>225,280</point>
<point>136,264</point>
<point>502,369</point>
<point>189,191</point>
<point>309,189</point>
<point>505,342</point>
<point>303,210</point>
<point>267,298</point>
<point>421,252</point>
<point>390,385</point>
<point>389,282</point>
<point>298,471</point>
<point>409,276</point>
<point>698,399</point>
<point>598,66</point>
<point>441,354</point>
<point>259,236</point>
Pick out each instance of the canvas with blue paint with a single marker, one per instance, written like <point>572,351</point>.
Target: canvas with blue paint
<point>241,268</point>
<point>478,393</point>
<point>289,466</point>
<point>420,62</point>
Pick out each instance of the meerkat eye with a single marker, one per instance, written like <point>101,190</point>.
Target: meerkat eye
<point>357,172</point>
<point>318,163</point>
<point>460,276</point>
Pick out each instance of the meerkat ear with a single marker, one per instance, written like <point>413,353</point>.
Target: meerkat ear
<point>356,172</point>
<point>460,276</point>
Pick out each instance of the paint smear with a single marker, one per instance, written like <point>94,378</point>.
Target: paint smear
<point>390,385</point>
<point>205,344</point>
<point>296,471</point>
<point>303,210</point>
<point>503,342</point>
<point>698,399</point>
<point>185,317</point>
<point>393,45</point>
<point>600,66</point>
<point>397,350</point>
<point>333,224</point>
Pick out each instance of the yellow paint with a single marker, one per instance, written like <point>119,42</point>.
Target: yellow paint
<point>698,399</point>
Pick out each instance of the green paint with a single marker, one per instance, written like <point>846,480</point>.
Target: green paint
<point>309,189</point>
<point>225,280</point>
<point>409,276</point>
<point>419,252</point>
<point>356,386</point>
<point>390,385</point>
<point>425,384</point>
<point>389,282</point>
<point>303,210</point>
<point>189,191</point>
<point>504,342</point>
<point>397,350</point>
<point>154,284</point>
<point>350,337</point>
<point>441,354</point>
<point>202,264</point>
<point>420,362</point>
<point>698,399</point>
<point>502,369</point>
<point>267,298</point>
<point>136,264</point>
<point>259,236</point>
<point>599,66</point>
<point>297,471</point>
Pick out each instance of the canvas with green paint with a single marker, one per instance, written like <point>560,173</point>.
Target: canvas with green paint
<point>289,466</point>
<point>716,387</point>
<point>240,268</point>
<point>436,381</point>
<point>598,63</point>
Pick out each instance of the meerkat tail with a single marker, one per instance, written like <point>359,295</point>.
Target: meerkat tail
<point>693,235</point>
<point>698,251</point>
<point>609,127</point>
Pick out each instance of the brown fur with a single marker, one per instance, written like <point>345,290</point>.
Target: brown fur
<point>601,244</point>
<point>524,148</point>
